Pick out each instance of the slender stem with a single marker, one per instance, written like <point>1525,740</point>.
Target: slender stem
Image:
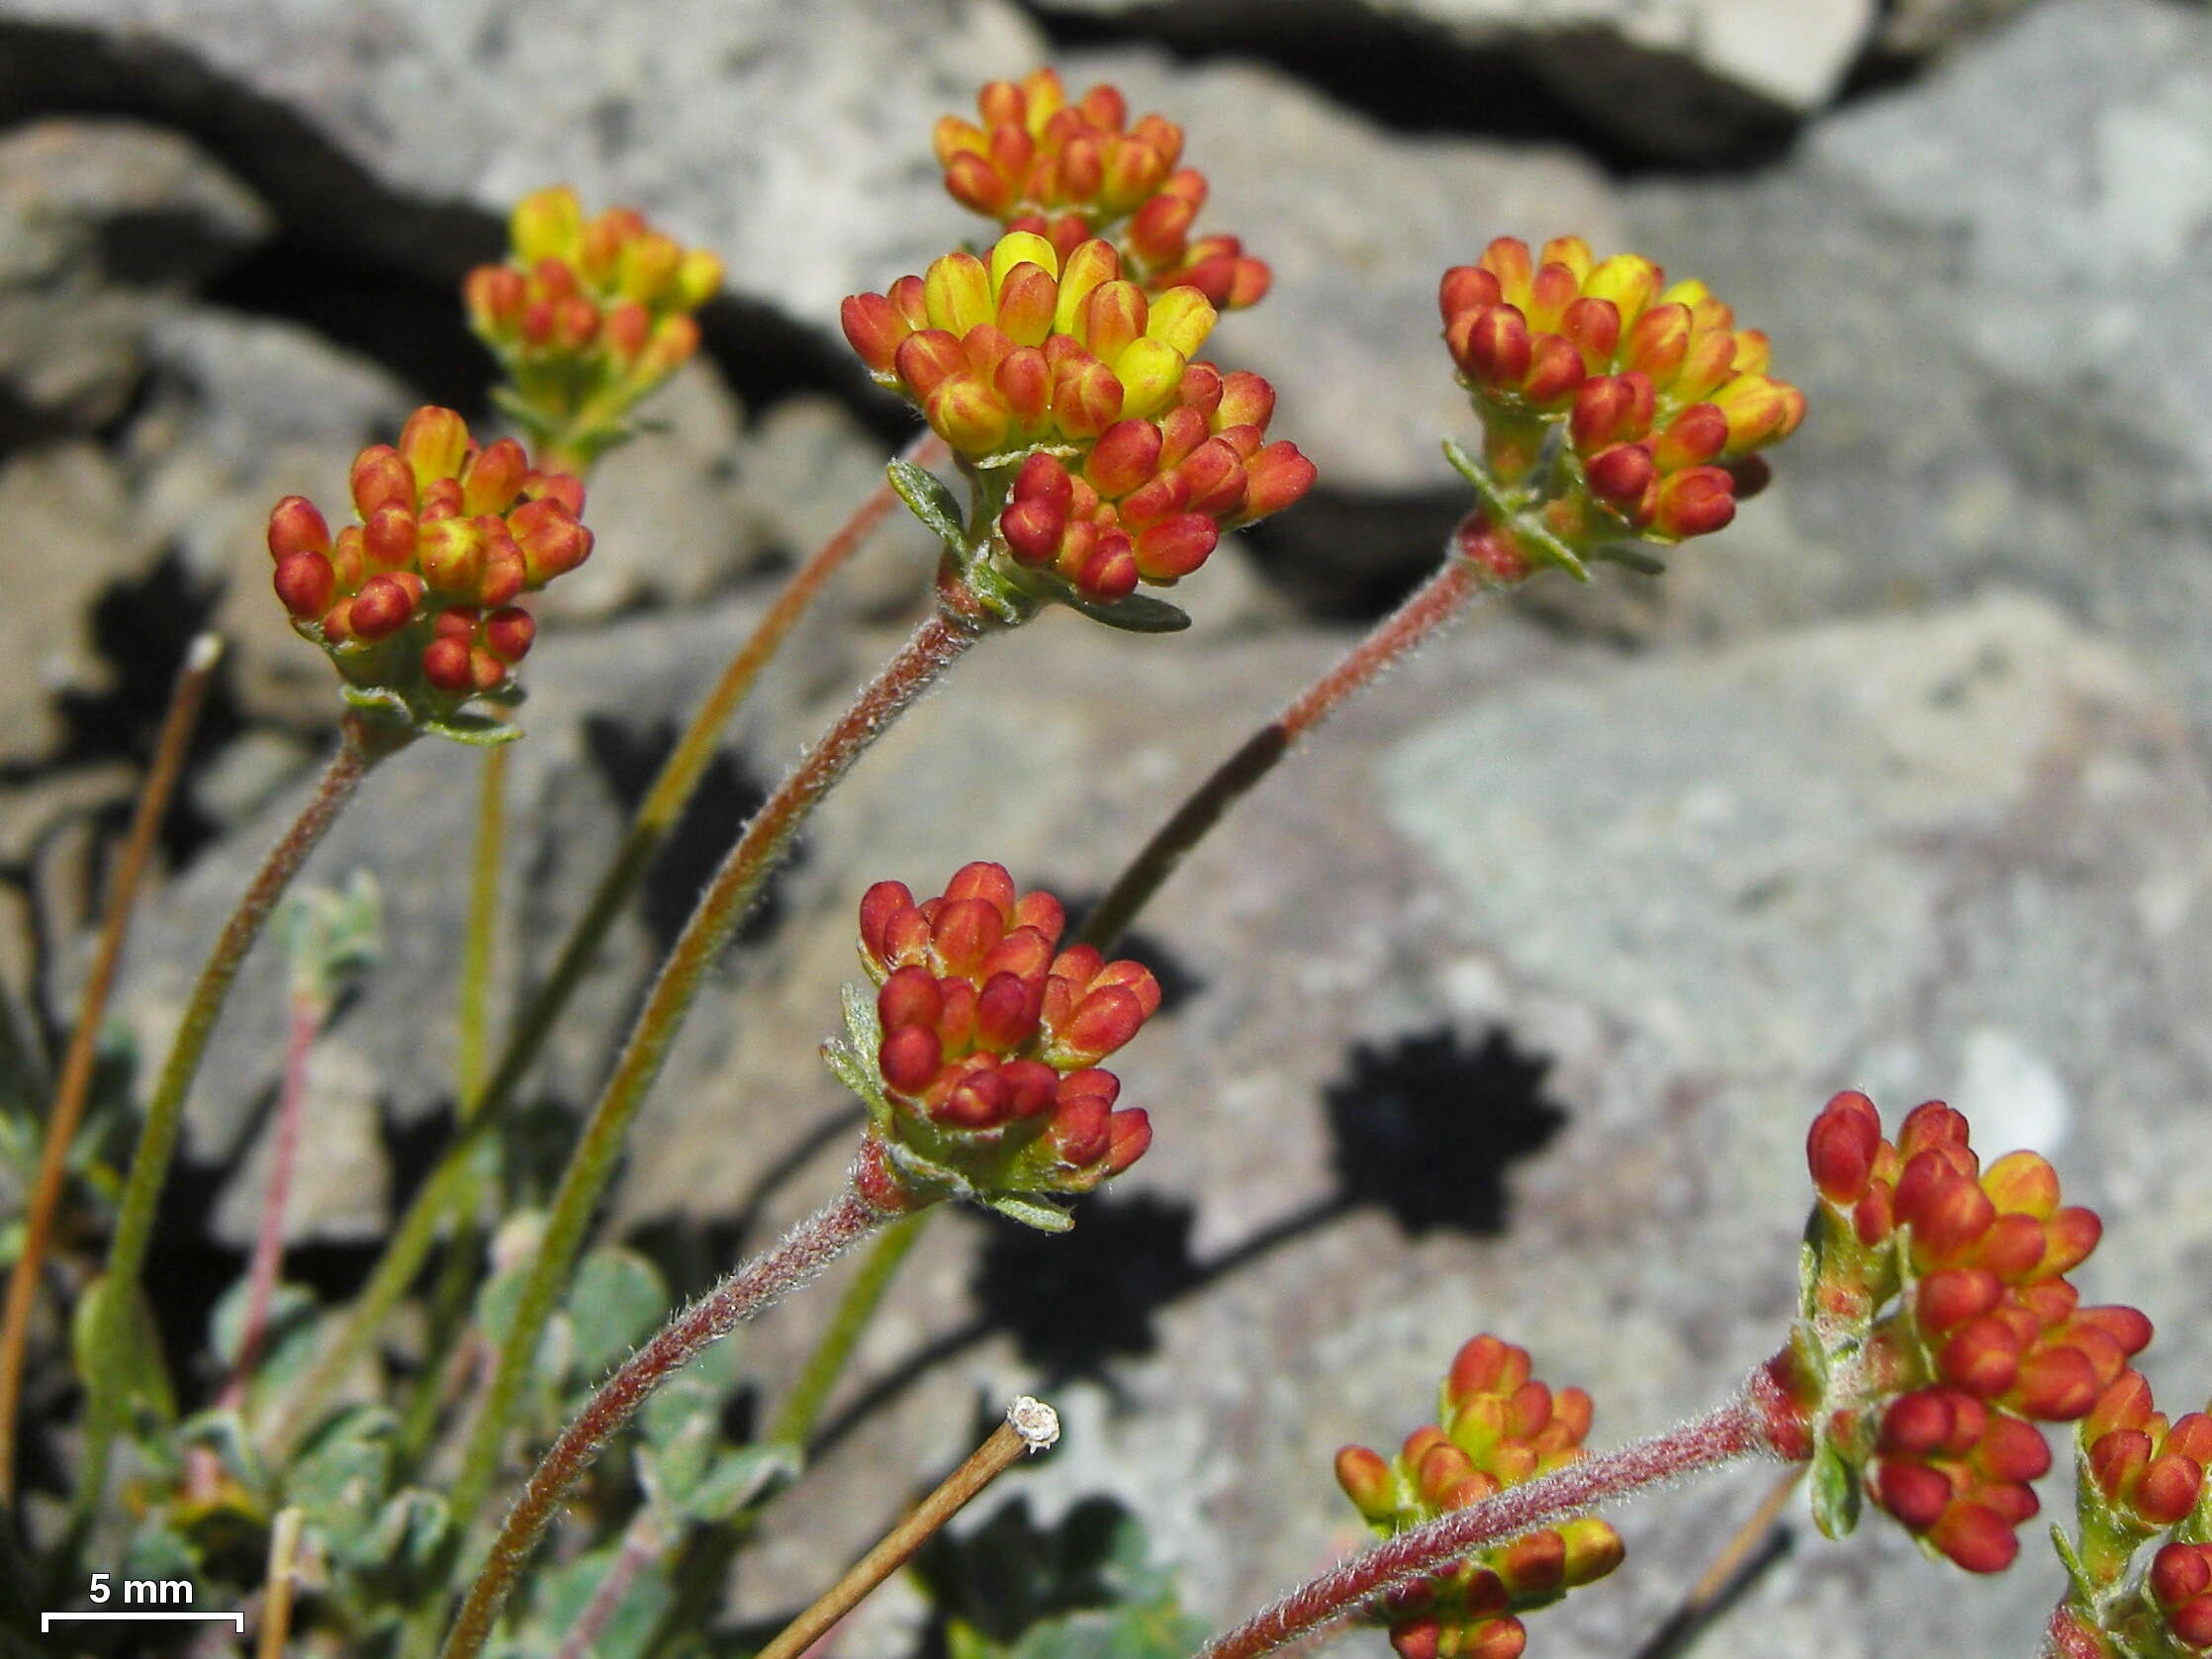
<point>759,1284</point>
<point>361,746</point>
<point>1030,1427</point>
<point>1436,601</point>
<point>673,788</point>
<point>643,1540</point>
<point>276,1596</point>
<point>1731,1431</point>
<point>416,1233</point>
<point>802,1407</point>
<point>308,1011</point>
<point>935,646</point>
<point>186,700</point>
<point>483,930</point>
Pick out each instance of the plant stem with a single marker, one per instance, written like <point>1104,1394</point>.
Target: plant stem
<point>1731,1431</point>
<point>802,1407</point>
<point>759,1284</point>
<point>672,789</point>
<point>1030,1427</point>
<point>276,1596</point>
<point>186,700</point>
<point>415,1235</point>
<point>1435,602</point>
<point>361,745</point>
<point>308,1011</point>
<point>483,928</point>
<point>935,646</point>
<point>642,1542</point>
<point>1748,1549</point>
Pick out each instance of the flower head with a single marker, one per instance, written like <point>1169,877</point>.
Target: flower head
<point>587,315</point>
<point>1071,172</point>
<point>1941,1328</point>
<point>1110,455</point>
<point>414,601</point>
<point>1656,401</point>
<point>1499,1426</point>
<point>980,1053</point>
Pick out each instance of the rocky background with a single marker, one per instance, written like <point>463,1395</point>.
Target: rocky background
<point>1507,1006</point>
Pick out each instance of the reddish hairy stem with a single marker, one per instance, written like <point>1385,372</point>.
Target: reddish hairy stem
<point>361,745</point>
<point>185,703</point>
<point>1436,601</point>
<point>284,1154</point>
<point>760,1284</point>
<point>1738,1428</point>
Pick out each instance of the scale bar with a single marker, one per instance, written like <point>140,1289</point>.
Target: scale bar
<point>45,1619</point>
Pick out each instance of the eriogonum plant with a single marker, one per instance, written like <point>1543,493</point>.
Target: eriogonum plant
<point>1059,369</point>
<point>415,603</point>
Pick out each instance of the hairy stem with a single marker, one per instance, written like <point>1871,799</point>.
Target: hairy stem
<point>758,1284</point>
<point>416,1233</point>
<point>361,745</point>
<point>1030,1427</point>
<point>1729,1431</point>
<point>935,646</point>
<point>483,928</point>
<point>186,700</point>
<point>308,1011</point>
<point>1435,602</point>
<point>802,1407</point>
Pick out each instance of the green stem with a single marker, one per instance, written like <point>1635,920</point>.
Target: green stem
<point>802,1407</point>
<point>416,1233</point>
<point>1435,602</point>
<point>757,1285</point>
<point>483,933</point>
<point>362,744</point>
<point>935,646</point>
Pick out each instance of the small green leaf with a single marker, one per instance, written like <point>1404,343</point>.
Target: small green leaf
<point>1836,1493</point>
<point>1038,1213</point>
<point>478,732</point>
<point>223,1433</point>
<point>144,1380</point>
<point>1467,467</point>
<point>740,1479</point>
<point>1136,613</point>
<point>927,497</point>
<point>618,1296</point>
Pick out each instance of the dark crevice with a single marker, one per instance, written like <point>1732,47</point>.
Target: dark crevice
<point>1632,111</point>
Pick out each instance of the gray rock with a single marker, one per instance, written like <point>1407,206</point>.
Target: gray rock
<point>101,223</point>
<point>71,538</point>
<point>1679,79</point>
<point>790,151</point>
<point>1983,312</point>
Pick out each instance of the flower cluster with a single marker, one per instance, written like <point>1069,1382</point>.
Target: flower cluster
<point>986,1039</point>
<point>416,602</point>
<point>1941,1326</point>
<point>1072,171</point>
<point>2140,1475</point>
<point>586,317</point>
<point>1662,400</point>
<point>1499,1427</point>
<point>1119,458</point>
